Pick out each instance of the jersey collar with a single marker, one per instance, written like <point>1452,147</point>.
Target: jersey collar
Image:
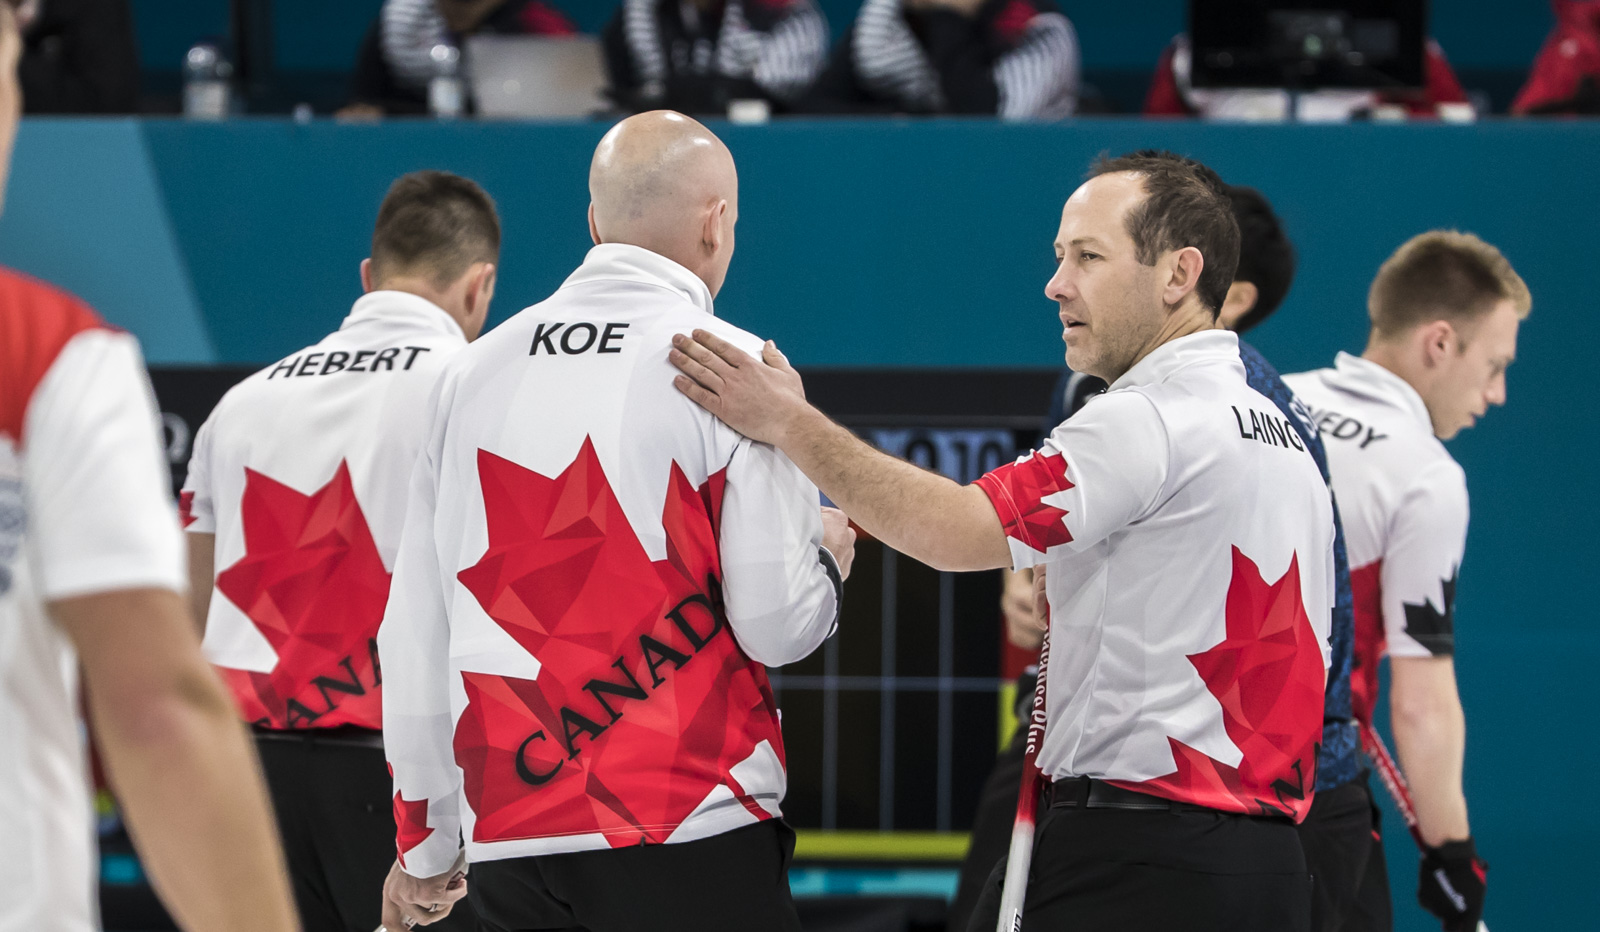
<point>618,262</point>
<point>402,307</point>
<point>1207,346</point>
<point>1365,377</point>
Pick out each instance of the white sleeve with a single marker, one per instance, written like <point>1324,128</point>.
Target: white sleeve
<point>413,647</point>
<point>100,510</point>
<point>781,589</point>
<point>1099,471</point>
<point>196,505</point>
<point>1421,559</point>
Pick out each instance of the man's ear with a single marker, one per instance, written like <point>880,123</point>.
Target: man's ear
<point>1438,342</point>
<point>1241,300</point>
<point>366,276</point>
<point>1187,264</point>
<point>478,292</point>
<point>594,231</point>
<point>480,288</point>
<point>711,234</point>
<point>490,275</point>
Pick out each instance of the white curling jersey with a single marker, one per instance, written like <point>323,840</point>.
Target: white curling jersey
<point>1188,539</point>
<point>593,573</point>
<point>84,509</point>
<point>302,472</point>
<point>1403,500</point>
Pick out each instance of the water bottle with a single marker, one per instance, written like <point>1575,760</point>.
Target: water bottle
<point>207,87</point>
<point>446,90</point>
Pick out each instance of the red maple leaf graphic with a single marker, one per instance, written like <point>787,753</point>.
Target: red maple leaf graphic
<point>1023,486</point>
<point>1267,673</point>
<point>312,582</point>
<point>643,702</point>
<point>411,823</point>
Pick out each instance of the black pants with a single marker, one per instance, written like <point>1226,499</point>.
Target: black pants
<point>1119,870</point>
<point>1338,838</point>
<point>1372,911</point>
<point>336,817</point>
<point>734,882</point>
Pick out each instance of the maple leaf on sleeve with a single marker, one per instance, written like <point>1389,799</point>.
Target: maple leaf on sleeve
<point>1431,627</point>
<point>1019,491</point>
<point>411,824</point>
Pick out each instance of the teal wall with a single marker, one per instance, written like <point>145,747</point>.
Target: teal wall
<point>322,35</point>
<point>902,243</point>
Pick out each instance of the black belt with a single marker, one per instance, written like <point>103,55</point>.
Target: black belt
<point>346,735</point>
<point>1089,793</point>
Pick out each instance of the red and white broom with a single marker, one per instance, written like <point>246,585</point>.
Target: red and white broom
<point>1020,857</point>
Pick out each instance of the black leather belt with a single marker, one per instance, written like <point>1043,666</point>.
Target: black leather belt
<point>1089,793</point>
<point>345,735</point>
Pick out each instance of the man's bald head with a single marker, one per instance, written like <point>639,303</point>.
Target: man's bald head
<point>663,182</point>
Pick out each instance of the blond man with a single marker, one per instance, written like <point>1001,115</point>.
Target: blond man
<point>1445,310</point>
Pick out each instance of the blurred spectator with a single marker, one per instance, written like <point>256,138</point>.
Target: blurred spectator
<point>1014,58</point>
<point>1566,75</point>
<point>1172,94</point>
<point>697,55</point>
<point>78,56</point>
<point>394,66</point>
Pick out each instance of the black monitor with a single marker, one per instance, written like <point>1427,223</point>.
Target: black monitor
<point>1308,44</point>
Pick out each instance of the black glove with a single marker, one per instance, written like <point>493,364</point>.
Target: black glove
<point>1451,884</point>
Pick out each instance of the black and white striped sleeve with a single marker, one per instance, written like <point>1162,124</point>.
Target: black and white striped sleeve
<point>1038,80</point>
<point>792,52</point>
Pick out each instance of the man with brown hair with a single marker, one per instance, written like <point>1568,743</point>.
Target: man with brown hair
<point>1445,310</point>
<point>1186,538</point>
<point>294,502</point>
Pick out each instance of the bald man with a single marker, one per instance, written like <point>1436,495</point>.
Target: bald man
<point>593,575</point>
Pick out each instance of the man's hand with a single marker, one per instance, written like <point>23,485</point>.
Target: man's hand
<point>756,397</point>
<point>410,901</point>
<point>921,514</point>
<point>1023,628</point>
<point>1451,884</point>
<point>839,538</point>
